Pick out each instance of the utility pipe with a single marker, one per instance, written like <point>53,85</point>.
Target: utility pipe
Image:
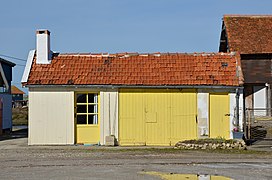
<point>237,107</point>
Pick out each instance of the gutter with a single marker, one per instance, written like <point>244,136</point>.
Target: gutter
<point>136,86</point>
<point>237,96</point>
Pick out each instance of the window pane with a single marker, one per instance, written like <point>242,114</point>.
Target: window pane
<point>81,98</point>
<point>81,119</point>
<point>92,119</point>
<point>92,98</point>
<point>92,108</point>
<point>81,109</point>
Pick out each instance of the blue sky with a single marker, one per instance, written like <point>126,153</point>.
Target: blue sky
<point>117,25</point>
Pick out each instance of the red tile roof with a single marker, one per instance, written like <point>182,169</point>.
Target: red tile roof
<point>138,69</point>
<point>249,34</point>
<point>15,90</point>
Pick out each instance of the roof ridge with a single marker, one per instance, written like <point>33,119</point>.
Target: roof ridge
<point>247,15</point>
<point>127,54</point>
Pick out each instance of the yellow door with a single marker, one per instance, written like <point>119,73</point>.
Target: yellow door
<point>219,116</point>
<point>131,118</point>
<point>87,118</point>
<point>156,117</point>
<point>183,116</point>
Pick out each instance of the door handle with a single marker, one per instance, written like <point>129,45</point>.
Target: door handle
<point>227,114</point>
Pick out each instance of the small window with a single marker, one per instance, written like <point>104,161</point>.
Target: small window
<point>92,98</point>
<point>81,98</point>
<point>87,109</point>
<point>81,119</point>
<point>81,109</point>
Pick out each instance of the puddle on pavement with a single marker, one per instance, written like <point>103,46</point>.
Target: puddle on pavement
<point>174,176</point>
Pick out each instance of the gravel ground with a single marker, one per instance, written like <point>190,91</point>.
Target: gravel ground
<point>19,161</point>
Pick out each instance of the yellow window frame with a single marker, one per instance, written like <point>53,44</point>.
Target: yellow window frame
<point>86,104</point>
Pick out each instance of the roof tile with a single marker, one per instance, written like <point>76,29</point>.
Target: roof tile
<point>15,90</point>
<point>148,70</point>
<point>249,34</point>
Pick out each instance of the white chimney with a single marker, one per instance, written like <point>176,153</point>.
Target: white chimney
<point>44,54</point>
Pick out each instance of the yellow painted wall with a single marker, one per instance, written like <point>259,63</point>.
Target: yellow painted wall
<point>143,117</point>
<point>51,117</point>
<point>219,116</point>
<point>183,114</point>
<point>156,117</point>
<point>131,118</point>
<point>88,134</point>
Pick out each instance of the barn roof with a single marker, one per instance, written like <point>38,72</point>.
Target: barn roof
<point>127,69</point>
<point>248,34</point>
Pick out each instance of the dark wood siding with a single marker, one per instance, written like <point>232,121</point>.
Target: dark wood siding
<point>257,68</point>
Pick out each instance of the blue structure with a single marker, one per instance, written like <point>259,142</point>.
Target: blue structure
<point>5,95</point>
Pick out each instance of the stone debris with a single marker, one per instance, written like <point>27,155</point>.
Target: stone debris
<point>237,145</point>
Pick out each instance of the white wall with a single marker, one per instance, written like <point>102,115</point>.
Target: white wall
<point>109,114</point>
<point>259,97</point>
<point>7,110</point>
<point>233,111</point>
<point>203,114</point>
<point>51,117</point>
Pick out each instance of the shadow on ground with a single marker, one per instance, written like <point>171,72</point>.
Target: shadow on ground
<point>15,134</point>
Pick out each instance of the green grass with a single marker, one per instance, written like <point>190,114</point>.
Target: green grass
<point>19,116</point>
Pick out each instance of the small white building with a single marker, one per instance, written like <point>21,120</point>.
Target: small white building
<point>140,99</point>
